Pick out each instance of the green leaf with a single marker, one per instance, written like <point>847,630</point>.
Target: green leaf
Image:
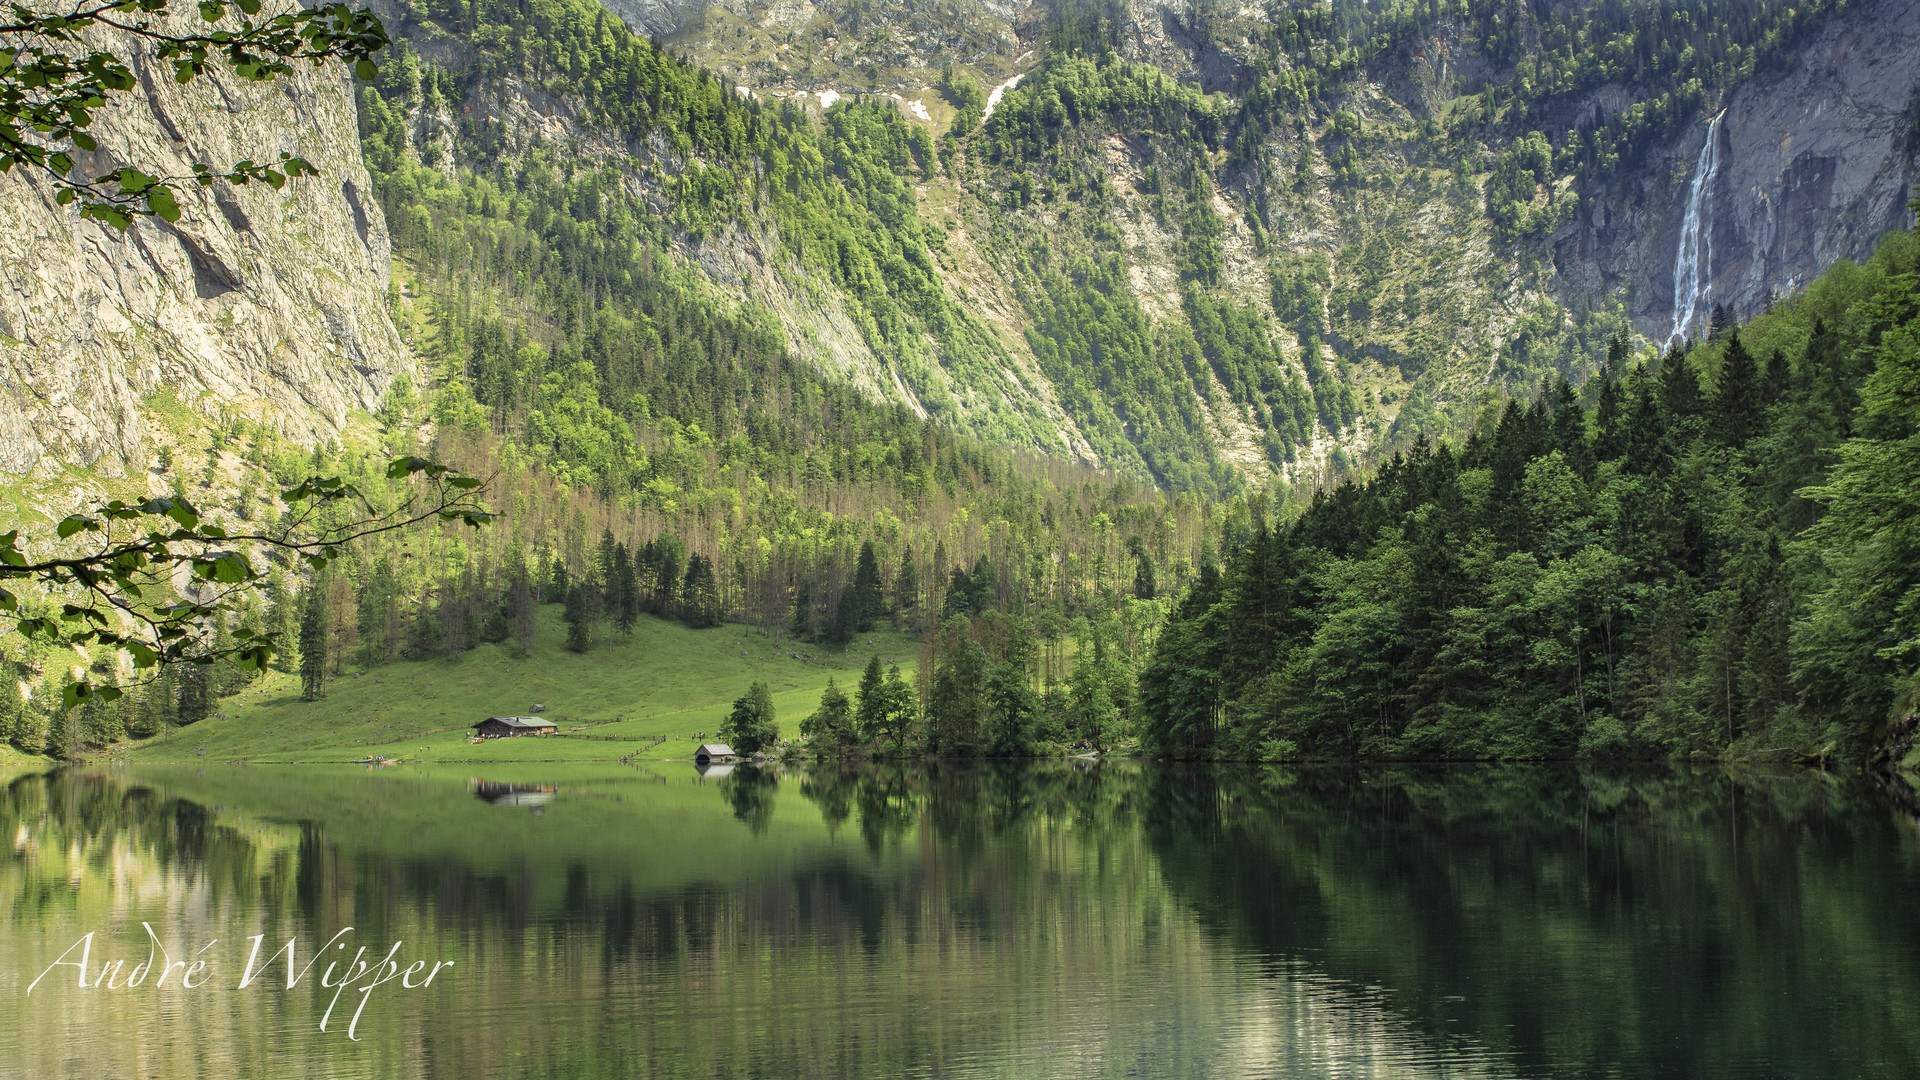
<point>71,525</point>
<point>229,568</point>
<point>160,201</point>
<point>366,70</point>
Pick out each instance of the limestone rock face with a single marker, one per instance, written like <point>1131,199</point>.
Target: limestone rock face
<point>1814,166</point>
<point>267,303</point>
<point>654,18</point>
<point>1818,160</point>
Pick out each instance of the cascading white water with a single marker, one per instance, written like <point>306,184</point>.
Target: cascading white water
<point>1693,262</point>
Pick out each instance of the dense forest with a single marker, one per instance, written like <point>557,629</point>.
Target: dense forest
<point>1707,552</point>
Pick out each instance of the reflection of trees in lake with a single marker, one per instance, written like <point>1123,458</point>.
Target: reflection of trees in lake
<point>1666,922</point>
<point>1669,922</point>
<point>749,790</point>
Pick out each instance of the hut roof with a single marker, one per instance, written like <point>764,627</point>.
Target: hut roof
<point>713,749</point>
<point>528,722</point>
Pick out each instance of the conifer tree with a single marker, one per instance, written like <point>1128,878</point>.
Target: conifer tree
<point>868,599</point>
<point>196,693</point>
<point>99,722</point>
<point>846,617</point>
<point>957,698</point>
<point>163,699</point>
<point>1737,404</point>
<point>313,644</point>
<point>801,624</point>
<point>13,726</point>
<point>579,619</point>
<point>700,594</point>
<point>899,711</point>
<point>626,592</point>
<point>906,588</point>
<point>426,633</point>
<point>63,740</point>
<point>283,621</point>
<point>1144,586</point>
<point>830,729</point>
<point>518,603</point>
<point>869,714</point>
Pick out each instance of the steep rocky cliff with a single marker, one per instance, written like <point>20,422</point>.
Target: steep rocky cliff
<point>1814,165</point>
<point>269,304</point>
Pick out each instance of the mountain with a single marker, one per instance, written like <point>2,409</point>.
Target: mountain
<point>259,304</point>
<point>1203,244</point>
<point>1211,245</point>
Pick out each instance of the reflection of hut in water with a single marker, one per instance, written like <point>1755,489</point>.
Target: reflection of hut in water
<point>497,794</point>
<point>713,770</point>
<point>712,753</point>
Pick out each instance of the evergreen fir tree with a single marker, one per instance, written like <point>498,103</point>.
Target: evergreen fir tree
<point>518,603</point>
<point>906,587</point>
<point>196,693</point>
<point>846,618</point>
<point>626,592</point>
<point>830,729</point>
<point>63,741</point>
<point>313,644</point>
<point>13,711</point>
<point>869,713</point>
<point>801,623</point>
<point>1144,586</point>
<point>868,599</point>
<point>283,622</point>
<point>100,724</point>
<point>1737,413</point>
<point>700,595</point>
<point>579,619</point>
<point>428,632</point>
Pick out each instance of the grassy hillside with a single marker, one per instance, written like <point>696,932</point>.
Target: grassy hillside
<point>609,703</point>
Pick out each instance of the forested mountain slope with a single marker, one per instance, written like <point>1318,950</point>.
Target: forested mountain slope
<point>1711,552</point>
<point>1203,245</point>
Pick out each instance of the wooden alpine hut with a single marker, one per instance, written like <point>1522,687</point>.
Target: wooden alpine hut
<point>509,727</point>
<point>709,753</point>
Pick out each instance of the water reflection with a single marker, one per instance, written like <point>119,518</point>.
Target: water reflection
<point>985,920</point>
<point>494,793</point>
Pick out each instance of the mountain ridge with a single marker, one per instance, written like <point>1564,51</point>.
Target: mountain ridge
<point>1340,201</point>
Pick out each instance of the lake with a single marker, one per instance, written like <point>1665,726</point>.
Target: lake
<point>1060,919</point>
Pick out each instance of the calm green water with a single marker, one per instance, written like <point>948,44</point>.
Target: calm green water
<point>1038,920</point>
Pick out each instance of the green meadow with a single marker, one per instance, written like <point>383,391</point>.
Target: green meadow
<point>653,696</point>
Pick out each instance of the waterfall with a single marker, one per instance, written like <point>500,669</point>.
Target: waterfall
<point>1693,262</point>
